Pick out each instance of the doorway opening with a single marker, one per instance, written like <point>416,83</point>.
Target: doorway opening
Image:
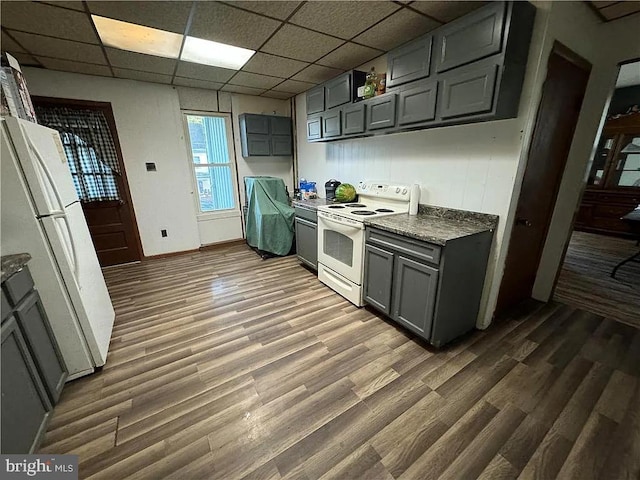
<point>91,144</point>
<point>600,272</point>
<point>562,95</point>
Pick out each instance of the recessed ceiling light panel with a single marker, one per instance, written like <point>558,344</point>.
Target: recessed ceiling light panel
<point>136,38</point>
<point>216,54</point>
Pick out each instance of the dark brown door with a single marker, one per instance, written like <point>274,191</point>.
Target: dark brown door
<point>112,223</point>
<point>562,95</point>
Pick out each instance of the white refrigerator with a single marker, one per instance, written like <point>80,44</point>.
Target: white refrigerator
<point>41,215</point>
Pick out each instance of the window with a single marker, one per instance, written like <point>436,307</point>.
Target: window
<point>211,162</point>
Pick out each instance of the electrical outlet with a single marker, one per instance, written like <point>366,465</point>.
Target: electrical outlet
<point>163,232</point>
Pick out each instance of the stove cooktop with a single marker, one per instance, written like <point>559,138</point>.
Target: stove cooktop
<point>366,208</point>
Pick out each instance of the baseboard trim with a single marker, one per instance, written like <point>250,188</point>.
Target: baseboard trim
<point>226,243</point>
<point>210,246</point>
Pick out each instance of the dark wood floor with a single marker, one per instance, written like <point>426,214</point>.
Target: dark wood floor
<point>225,366</point>
<point>585,279</point>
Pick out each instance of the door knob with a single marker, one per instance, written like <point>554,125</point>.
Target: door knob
<point>523,222</point>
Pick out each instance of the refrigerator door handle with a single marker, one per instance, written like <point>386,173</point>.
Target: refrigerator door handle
<point>46,170</point>
<point>74,251</point>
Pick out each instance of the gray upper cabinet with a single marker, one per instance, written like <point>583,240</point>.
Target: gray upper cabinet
<point>381,112</point>
<point>409,62</point>
<point>469,38</point>
<point>265,135</point>
<point>314,128</point>
<point>468,91</point>
<point>338,91</point>
<point>416,285</point>
<point>378,277</point>
<point>354,118</point>
<point>417,104</point>
<point>332,123</point>
<point>315,100</point>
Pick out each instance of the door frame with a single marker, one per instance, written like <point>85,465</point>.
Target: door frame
<point>579,61</point>
<point>107,110</point>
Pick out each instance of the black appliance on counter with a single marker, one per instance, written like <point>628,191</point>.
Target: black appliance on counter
<point>330,188</point>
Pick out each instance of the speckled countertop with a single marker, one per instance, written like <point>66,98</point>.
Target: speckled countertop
<point>11,264</point>
<point>312,204</point>
<point>436,225</point>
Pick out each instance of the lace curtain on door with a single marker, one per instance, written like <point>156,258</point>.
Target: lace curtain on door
<point>90,150</point>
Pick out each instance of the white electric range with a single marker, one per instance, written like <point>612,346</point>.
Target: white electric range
<point>341,234</point>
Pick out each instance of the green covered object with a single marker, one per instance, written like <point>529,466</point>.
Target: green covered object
<point>270,219</point>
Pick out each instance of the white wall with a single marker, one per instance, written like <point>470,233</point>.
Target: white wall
<point>149,122</point>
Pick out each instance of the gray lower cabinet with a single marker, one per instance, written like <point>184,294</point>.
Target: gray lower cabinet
<point>381,112</point>
<point>25,404</point>
<point>332,123</point>
<point>265,135</point>
<point>315,100</point>
<point>418,103</point>
<point>354,118</point>
<point>432,290</point>
<point>409,62</point>
<point>468,90</point>
<point>306,225</point>
<point>314,128</point>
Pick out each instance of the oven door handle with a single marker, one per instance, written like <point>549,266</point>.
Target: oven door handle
<point>339,226</point>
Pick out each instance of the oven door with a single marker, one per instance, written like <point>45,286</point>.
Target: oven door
<point>341,247</point>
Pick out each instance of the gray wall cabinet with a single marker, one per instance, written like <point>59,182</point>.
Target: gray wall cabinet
<point>314,128</point>
<point>417,104</point>
<point>338,91</point>
<point>265,135</point>
<point>306,224</point>
<point>381,112</point>
<point>469,70</point>
<point>409,62</point>
<point>332,123</point>
<point>433,291</point>
<point>354,117</point>
<point>315,100</point>
<point>25,405</point>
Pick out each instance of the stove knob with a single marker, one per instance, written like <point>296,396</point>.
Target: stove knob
<point>397,189</point>
<point>404,191</point>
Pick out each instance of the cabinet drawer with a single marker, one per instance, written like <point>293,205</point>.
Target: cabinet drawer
<point>418,104</point>
<point>472,37</point>
<point>427,252</point>
<point>409,62</point>
<point>18,285</point>
<point>468,91</point>
<point>307,214</point>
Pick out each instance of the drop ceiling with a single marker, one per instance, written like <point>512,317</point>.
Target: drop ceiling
<point>298,44</point>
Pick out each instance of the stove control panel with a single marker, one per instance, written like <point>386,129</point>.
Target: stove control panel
<point>391,191</point>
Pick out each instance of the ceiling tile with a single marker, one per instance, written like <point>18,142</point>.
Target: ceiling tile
<point>190,82</point>
<point>300,43</point>
<point>275,94</point>
<point>140,61</point>
<point>9,44</point>
<point>272,65</point>
<point>77,67</point>
<point>344,19</point>
<point>399,28</point>
<point>222,23</point>
<point>63,49</point>
<point>620,9</point>
<point>204,72</point>
<point>445,11</point>
<point>317,74</point>
<point>73,5</point>
<point>48,20</point>
<point>293,86</point>
<point>25,60</point>
<point>254,80</point>
<point>244,90</point>
<point>349,55</point>
<point>142,76</point>
<point>279,10</point>
<point>171,16</point>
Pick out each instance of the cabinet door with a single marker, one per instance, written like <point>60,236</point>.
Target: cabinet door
<point>468,91</point>
<point>315,100</point>
<point>381,112</point>
<point>281,146</point>
<point>409,62</point>
<point>25,405</point>
<point>332,123</point>
<point>257,124</point>
<point>354,118</point>
<point>307,242</point>
<point>378,271</point>
<point>258,146</point>
<point>414,296</point>
<point>37,332</point>
<point>280,125</point>
<point>469,38</point>
<point>314,128</point>
<point>338,91</point>
<point>418,104</point>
